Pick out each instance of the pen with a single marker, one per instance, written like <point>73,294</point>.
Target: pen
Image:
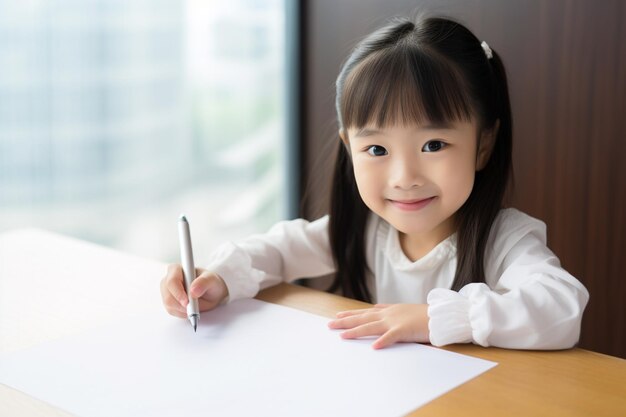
<point>189,270</point>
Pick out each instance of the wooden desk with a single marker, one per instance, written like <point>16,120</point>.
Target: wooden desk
<point>525,383</point>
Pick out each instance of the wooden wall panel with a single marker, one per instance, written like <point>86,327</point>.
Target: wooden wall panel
<point>566,62</point>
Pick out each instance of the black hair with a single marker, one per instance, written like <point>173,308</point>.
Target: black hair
<point>434,70</point>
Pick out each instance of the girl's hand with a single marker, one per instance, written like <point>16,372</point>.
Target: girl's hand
<point>392,322</point>
<point>208,288</point>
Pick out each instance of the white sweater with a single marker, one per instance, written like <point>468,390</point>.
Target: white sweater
<point>528,301</point>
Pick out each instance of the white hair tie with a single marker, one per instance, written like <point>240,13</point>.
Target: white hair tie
<point>487,49</point>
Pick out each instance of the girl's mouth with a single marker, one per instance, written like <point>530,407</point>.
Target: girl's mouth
<point>411,205</point>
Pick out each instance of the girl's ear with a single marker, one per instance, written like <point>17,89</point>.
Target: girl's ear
<point>486,142</point>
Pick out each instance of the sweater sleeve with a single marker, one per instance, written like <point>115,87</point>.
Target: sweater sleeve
<point>290,250</point>
<point>528,302</point>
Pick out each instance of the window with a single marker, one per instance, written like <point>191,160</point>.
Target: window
<point>116,116</point>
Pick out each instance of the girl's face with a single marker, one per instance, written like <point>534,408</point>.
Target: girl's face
<point>416,177</point>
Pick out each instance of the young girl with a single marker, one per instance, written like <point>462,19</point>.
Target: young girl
<point>416,222</point>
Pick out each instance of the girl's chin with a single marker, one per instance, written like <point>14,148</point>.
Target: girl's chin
<point>429,230</point>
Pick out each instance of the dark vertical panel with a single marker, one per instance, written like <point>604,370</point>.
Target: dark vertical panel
<point>295,29</point>
<point>617,192</point>
<point>566,62</point>
<point>604,261</point>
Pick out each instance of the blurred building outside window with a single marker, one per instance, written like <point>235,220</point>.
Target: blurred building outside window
<point>116,116</point>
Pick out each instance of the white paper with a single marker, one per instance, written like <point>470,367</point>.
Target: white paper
<point>247,358</point>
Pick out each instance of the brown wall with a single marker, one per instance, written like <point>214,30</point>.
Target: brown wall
<point>566,62</point>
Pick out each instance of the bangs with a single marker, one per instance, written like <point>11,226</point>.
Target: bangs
<point>404,85</point>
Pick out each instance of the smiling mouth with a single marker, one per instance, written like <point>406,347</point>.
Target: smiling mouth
<point>412,205</point>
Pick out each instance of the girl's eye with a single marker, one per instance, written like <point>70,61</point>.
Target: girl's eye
<point>376,150</point>
<point>434,146</point>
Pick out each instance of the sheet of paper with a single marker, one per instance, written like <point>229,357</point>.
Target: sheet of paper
<point>248,358</point>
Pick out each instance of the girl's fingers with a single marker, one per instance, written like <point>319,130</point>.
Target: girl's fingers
<point>209,289</point>
<point>353,321</point>
<point>172,306</point>
<point>374,328</point>
<point>209,286</point>
<point>174,283</point>
<point>349,313</point>
<point>387,339</point>
<point>200,286</point>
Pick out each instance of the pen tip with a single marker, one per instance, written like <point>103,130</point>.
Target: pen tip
<point>182,218</point>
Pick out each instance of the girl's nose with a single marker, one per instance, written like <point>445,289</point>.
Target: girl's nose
<point>405,173</point>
